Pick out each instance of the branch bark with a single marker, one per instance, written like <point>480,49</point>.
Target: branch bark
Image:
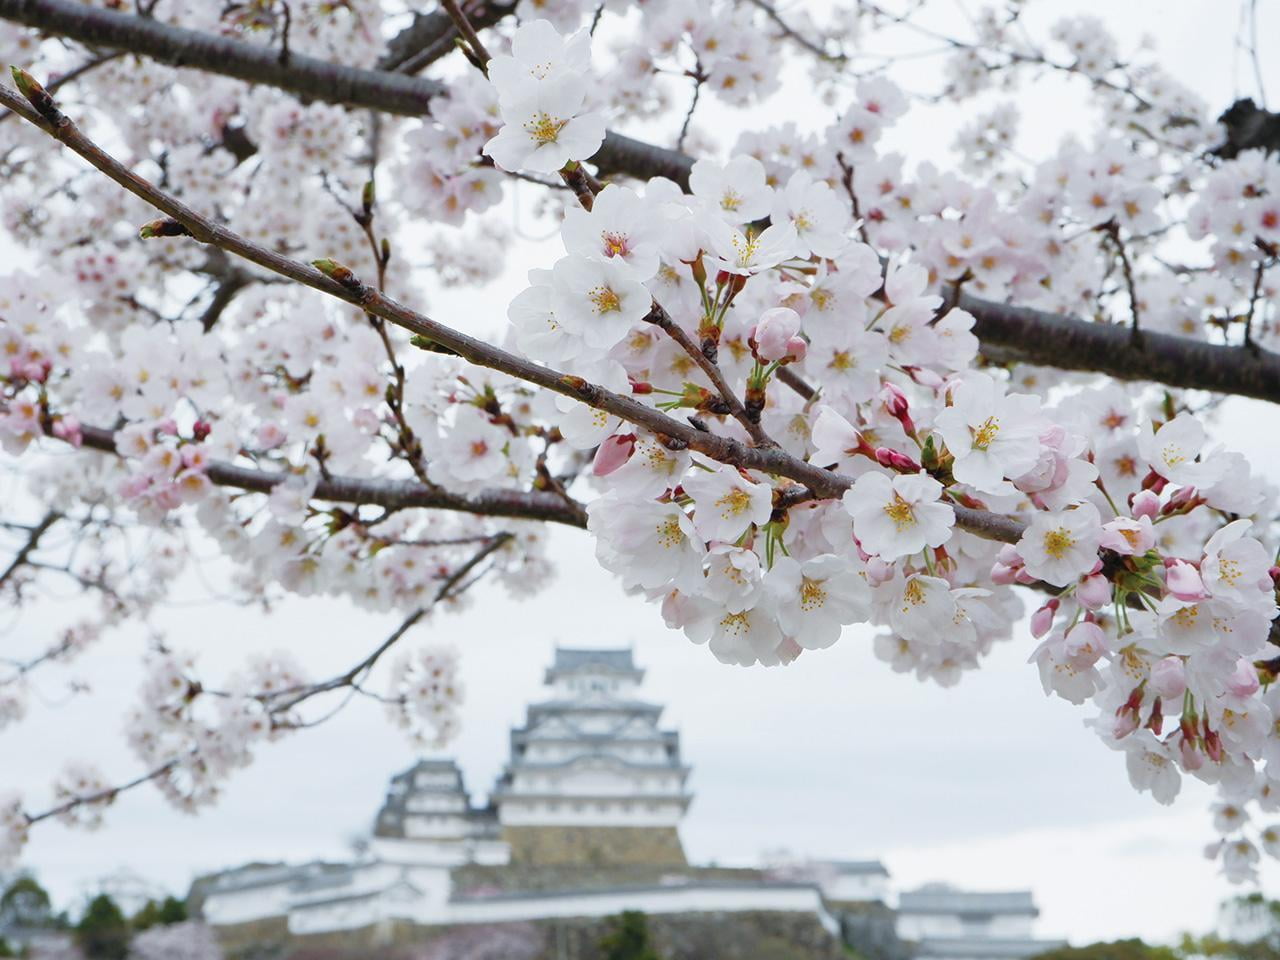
<point>1051,340</point>
<point>307,77</point>
<point>349,289</point>
<point>431,36</point>
<point>1017,332</point>
<point>391,494</point>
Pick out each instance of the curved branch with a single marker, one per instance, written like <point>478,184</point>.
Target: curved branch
<point>337,281</point>
<point>1031,335</point>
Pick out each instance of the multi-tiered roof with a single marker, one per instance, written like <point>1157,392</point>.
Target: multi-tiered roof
<point>593,754</point>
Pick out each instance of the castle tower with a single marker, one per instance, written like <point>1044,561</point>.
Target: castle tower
<point>427,817</point>
<point>591,778</point>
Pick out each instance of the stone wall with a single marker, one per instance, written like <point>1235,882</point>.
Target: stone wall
<point>753,935</point>
<point>594,846</point>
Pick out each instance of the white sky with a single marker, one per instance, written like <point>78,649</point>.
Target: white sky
<point>988,785</point>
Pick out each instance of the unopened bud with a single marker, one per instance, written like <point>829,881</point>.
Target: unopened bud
<point>896,461</point>
<point>164,227</point>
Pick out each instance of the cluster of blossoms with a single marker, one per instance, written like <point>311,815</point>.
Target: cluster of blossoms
<point>793,302</point>
<point>894,406</point>
<point>425,694</point>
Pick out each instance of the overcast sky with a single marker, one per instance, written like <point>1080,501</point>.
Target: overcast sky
<point>988,785</point>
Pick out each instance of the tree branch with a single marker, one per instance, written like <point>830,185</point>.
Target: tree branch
<point>307,77</point>
<point>33,541</point>
<point>391,494</point>
<point>1025,334</point>
<point>431,36</point>
<point>341,284</point>
<point>1052,340</point>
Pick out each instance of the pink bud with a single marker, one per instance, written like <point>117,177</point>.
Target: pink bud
<point>1094,592</point>
<point>1042,619</point>
<point>774,332</point>
<point>895,401</point>
<point>1145,503</point>
<point>169,426</point>
<point>1183,581</point>
<point>1191,758</point>
<point>1244,681</point>
<point>1005,576</point>
<point>1008,555</point>
<point>1126,722</point>
<point>879,572</point>
<point>613,453</point>
<point>925,377</point>
<point>1169,678</point>
<point>68,429</point>
<point>797,348</point>
<point>896,461</point>
<point>1212,744</point>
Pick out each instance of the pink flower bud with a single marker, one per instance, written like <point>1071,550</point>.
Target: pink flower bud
<point>1212,744</point>
<point>68,429</point>
<point>925,377</point>
<point>1008,555</point>
<point>1244,681</point>
<point>895,402</point>
<point>169,426</point>
<point>1005,576</point>
<point>1169,678</point>
<point>1125,723</point>
<point>1187,753</point>
<point>797,348</point>
<point>879,571</point>
<point>896,461</point>
<point>1094,591</point>
<point>613,453</point>
<point>1183,581</point>
<point>1042,619</point>
<point>1145,503</point>
<point>774,332</point>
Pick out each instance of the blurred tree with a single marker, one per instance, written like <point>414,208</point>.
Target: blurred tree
<point>1133,949</point>
<point>25,903</point>
<point>628,938</point>
<point>1251,931</point>
<point>161,913</point>
<point>103,932</point>
<point>5,949</point>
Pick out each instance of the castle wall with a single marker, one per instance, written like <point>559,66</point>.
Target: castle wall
<point>593,846</point>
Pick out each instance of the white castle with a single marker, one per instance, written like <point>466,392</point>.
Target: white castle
<point>582,823</point>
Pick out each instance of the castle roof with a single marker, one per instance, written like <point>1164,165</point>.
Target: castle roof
<point>944,899</point>
<point>575,660</point>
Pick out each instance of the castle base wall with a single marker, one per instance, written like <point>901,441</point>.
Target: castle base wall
<point>594,846</point>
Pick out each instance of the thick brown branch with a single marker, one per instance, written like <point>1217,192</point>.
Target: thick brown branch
<point>306,77</point>
<point>431,36</point>
<point>1030,335</point>
<point>1037,337</point>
